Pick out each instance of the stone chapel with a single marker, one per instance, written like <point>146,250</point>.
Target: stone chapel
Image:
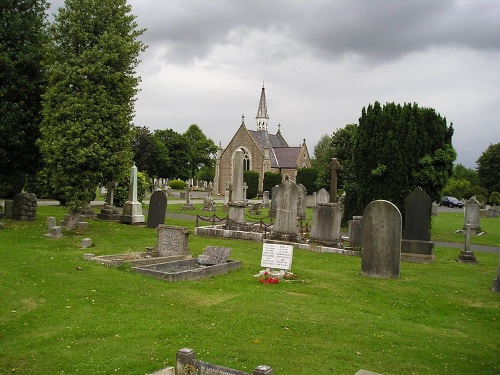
<point>263,152</point>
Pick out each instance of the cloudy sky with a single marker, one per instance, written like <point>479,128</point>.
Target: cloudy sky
<point>321,62</point>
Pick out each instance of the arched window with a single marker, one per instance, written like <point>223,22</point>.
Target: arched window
<point>246,160</point>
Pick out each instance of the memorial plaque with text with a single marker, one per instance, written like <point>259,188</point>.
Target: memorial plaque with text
<point>277,256</point>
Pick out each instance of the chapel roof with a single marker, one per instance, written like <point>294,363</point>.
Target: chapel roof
<point>286,157</point>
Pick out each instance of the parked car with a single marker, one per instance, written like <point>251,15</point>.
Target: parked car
<point>451,202</point>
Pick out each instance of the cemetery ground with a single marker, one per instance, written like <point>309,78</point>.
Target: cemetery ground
<point>61,314</point>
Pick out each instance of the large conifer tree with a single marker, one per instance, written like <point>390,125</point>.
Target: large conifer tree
<point>89,103</point>
<point>22,37</point>
<point>398,148</point>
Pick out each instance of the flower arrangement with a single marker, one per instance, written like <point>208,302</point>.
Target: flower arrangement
<point>267,279</point>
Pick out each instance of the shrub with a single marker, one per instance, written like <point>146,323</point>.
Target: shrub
<point>271,179</point>
<point>307,177</point>
<point>252,180</point>
<point>177,184</point>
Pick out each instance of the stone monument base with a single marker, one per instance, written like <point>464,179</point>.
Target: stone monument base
<point>417,251</point>
<point>467,257</point>
<point>237,211</point>
<point>109,213</point>
<point>188,207</point>
<point>132,213</point>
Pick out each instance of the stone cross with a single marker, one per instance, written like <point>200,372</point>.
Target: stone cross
<point>335,166</point>
<point>111,191</point>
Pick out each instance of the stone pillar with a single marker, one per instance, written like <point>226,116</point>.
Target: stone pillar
<point>184,357</point>
<point>237,202</point>
<point>132,209</point>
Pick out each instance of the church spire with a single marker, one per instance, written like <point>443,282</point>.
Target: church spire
<point>262,116</point>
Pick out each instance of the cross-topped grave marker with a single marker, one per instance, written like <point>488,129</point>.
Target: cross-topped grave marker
<point>335,166</point>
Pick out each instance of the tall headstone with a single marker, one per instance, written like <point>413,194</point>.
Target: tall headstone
<point>417,234</point>
<point>327,214</point>
<point>132,209</point>
<point>381,238</point>
<point>274,192</point>
<point>471,216</point>
<point>237,202</point>
<point>265,199</point>
<point>301,209</point>
<point>287,199</point>
<point>157,209</point>
<point>355,233</point>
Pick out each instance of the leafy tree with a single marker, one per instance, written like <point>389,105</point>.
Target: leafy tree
<point>488,168</point>
<point>464,183</point>
<point>150,154</point>
<point>307,177</point>
<point>22,38</point>
<point>88,106</point>
<point>252,180</point>
<point>177,152</point>
<point>201,150</point>
<point>271,179</point>
<point>121,192</point>
<point>398,148</point>
<point>206,173</point>
<point>339,145</point>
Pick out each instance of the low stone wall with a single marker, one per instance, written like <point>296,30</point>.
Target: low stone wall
<point>219,231</point>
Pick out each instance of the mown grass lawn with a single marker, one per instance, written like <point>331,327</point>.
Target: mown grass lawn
<point>56,318</point>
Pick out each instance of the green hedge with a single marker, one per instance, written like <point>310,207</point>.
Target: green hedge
<point>271,179</point>
<point>177,184</point>
<point>252,180</point>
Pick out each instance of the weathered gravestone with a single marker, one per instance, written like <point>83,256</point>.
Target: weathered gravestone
<point>327,214</point>
<point>471,215</point>
<point>416,243</point>
<point>287,199</point>
<point>322,197</point>
<point>381,239</point>
<point>172,241</point>
<point>265,199</point>
<point>355,232</point>
<point>54,231</point>
<point>157,209</point>
<point>214,255</point>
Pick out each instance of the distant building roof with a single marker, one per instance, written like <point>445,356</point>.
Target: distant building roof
<point>286,157</point>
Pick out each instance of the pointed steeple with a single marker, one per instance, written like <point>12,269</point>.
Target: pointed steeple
<point>262,116</point>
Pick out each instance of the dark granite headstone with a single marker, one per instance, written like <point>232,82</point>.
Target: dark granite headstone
<point>381,239</point>
<point>157,209</point>
<point>417,216</point>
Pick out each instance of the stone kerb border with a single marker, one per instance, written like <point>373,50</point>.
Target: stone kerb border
<point>187,357</point>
